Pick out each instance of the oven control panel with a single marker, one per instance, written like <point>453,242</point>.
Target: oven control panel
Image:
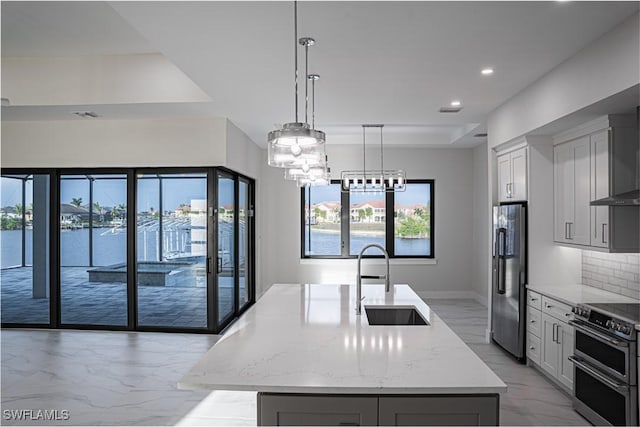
<point>604,321</point>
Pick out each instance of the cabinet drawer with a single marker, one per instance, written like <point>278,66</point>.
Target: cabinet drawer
<point>557,309</point>
<point>534,321</point>
<point>534,300</point>
<point>534,346</point>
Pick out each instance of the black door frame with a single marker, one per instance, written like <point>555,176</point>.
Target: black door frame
<point>213,326</point>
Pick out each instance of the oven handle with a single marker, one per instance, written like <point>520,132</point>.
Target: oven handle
<point>597,335</point>
<point>614,385</point>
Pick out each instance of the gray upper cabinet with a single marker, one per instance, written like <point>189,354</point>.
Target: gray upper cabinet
<point>571,195</point>
<point>512,175</point>
<point>600,188</point>
<point>599,163</point>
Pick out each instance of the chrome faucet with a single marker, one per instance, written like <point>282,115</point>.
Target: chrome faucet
<point>359,277</point>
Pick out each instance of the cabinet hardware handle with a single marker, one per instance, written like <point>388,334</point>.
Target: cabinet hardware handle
<point>553,333</point>
<point>534,299</point>
<point>532,348</point>
<point>603,233</point>
<point>566,236</point>
<point>532,321</point>
<point>567,314</point>
<point>558,335</point>
<point>548,305</point>
<point>570,224</point>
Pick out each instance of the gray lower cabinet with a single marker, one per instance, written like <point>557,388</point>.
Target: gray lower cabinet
<point>297,409</point>
<point>438,411</point>
<point>316,410</point>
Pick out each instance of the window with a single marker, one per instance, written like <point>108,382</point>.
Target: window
<point>322,220</point>
<point>168,249</point>
<point>339,225</point>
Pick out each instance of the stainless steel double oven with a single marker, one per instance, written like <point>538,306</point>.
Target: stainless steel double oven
<point>605,361</point>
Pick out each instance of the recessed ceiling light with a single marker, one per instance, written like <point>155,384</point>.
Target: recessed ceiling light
<point>455,103</point>
<point>487,71</point>
<point>85,114</point>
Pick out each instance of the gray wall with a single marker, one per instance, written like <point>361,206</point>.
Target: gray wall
<point>480,244</point>
<point>450,276</point>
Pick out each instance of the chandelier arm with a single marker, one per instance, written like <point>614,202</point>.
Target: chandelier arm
<point>313,103</point>
<point>306,82</point>
<point>364,155</point>
<point>295,51</point>
<point>381,152</point>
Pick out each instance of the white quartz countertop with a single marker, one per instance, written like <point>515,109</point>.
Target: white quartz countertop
<point>578,294</point>
<point>308,339</point>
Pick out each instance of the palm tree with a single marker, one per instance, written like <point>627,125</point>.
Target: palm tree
<point>100,210</point>
<point>122,210</point>
<point>76,201</point>
<point>368,212</point>
<point>18,209</point>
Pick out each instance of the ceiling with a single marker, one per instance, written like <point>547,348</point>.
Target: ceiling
<point>395,63</point>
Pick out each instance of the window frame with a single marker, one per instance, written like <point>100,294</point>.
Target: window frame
<point>345,225</point>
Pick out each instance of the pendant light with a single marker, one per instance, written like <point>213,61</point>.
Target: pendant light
<point>374,180</point>
<point>296,144</point>
<point>319,175</point>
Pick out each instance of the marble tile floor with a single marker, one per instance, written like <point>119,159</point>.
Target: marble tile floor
<point>118,378</point>
<point>531,399</point>
<point>84,302</point>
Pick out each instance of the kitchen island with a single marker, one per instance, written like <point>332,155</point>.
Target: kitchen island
<point>312,360</point>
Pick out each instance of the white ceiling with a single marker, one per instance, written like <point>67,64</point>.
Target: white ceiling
<point>53,28</point>
<point>380,62</point>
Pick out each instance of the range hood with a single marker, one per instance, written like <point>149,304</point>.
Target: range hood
<point>630,198</point>
<point>624,161</point>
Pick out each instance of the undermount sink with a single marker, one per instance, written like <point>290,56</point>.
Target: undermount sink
<point>378,315</point>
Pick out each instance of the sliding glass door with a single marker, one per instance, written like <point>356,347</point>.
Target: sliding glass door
<point>226,260</point>
<point>127,249</point>
<point>245,231</point>
<point>93,249</point>
<point>171,279</point>
<point>24,256</point>
<point>234,240</point>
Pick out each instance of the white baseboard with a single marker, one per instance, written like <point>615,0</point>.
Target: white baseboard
<point>482,299</point>
<point>453,295</point>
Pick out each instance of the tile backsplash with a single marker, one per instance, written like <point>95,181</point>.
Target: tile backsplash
<point>619,273</point>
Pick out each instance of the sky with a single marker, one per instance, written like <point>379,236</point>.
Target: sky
<point>113,192</point>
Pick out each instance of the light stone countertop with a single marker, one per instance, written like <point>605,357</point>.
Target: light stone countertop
<point>578,294</point>
<point>308,339</point>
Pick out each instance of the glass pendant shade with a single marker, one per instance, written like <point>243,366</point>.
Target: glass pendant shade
<point>296,144</point>
<point>294,174</point>
<point>316,176</point>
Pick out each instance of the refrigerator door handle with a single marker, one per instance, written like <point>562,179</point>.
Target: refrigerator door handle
<point>496,260</point>
<point>502,262</point>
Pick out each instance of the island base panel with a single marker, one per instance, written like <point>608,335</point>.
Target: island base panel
<point>317,410</point>
<point>281,409</point>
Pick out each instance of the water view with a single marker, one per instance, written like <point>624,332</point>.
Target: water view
<point>323,243</point>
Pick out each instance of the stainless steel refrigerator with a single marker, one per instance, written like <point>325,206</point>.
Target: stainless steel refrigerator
<point>509,277</point>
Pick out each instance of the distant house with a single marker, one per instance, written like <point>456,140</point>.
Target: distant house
<point>372,211</point>
<point>9,212</point>
<point>409,210</point>
<point>70,214</point>
<point>325,212</point>
<point>183,210</point>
